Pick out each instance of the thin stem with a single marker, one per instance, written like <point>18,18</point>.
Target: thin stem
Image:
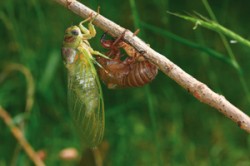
<point>229,50</point>
<point>11,67</point>
<point>214,26</point>
<point>18,134</point>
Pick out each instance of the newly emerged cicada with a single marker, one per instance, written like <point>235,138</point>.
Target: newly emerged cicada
<point>133,71</point>
<point>85,97</point>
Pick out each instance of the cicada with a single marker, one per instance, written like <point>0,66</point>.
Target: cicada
<point>85,98</point>
<point>133,71</point>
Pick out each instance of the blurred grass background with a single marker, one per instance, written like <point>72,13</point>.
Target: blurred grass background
<point>159,124</point>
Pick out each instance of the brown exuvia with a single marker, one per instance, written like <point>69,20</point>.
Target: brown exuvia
<point>133,71</point>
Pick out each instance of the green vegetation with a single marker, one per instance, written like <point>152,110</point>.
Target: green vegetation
<point>159,124</point>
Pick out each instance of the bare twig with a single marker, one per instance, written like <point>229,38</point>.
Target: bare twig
<point>20,138</point>
<point>193,86</point>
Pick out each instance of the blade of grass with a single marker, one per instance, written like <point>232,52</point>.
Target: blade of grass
<point>189,43</point>
<point>229,50</point>
<point>49,70</point>
<point>212,25</point>
<point>149,95</point>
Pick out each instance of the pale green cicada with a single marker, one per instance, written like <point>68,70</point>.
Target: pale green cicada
<point>85,97</point>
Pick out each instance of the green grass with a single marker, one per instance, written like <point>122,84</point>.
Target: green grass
<point>159,124</point>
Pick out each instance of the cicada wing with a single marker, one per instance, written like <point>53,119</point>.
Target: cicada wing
<point>86,105</point>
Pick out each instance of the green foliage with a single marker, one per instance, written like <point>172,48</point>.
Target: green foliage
<point>160,124</point>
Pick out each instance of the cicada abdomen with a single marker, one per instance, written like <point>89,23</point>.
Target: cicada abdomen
<point>133,71</point>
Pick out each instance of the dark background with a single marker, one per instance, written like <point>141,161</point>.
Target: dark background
<point>159,124</point>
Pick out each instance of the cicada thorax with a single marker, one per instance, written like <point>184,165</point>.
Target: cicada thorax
<point>133,71</point>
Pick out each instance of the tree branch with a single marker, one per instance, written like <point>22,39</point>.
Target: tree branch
<point>193,86</point>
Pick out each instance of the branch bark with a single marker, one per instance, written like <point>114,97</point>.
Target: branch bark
<point>198,89</point>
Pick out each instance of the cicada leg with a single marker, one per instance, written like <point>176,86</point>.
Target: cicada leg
<point>106,43</point>
<point>129,49</point>
<point>93,52</point>
<point>114,51</point>
<point>120,38</point>
<point>89,32</point>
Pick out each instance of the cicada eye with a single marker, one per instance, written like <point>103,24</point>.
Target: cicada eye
<point>75,32</point>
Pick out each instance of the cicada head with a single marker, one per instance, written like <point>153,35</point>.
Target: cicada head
<point>72,39</point>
